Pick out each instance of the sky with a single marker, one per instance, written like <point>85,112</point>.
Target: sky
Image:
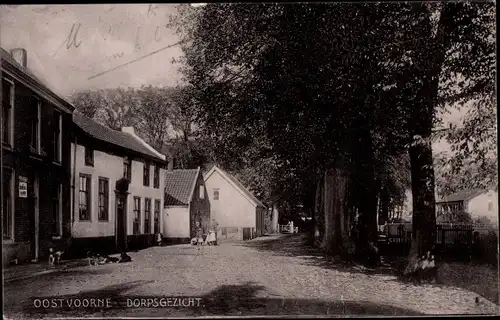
<point>68,44</point>
<point>70,47</point>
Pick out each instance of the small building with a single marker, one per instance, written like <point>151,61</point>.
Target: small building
<point>477,202</point>
<point>239,213</point>
<point>118,184</point>
<point>35,162</point>
<point>186,202</point>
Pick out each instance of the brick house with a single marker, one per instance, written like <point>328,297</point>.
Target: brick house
<point>186,201</point>
<point>119,183</point>
<point>35,160</point>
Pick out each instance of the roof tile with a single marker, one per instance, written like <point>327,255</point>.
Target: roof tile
<point>178,186</point>
<point>103,133</point>
<point>461,195</point>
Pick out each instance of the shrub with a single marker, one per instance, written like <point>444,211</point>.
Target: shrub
<point>487,248</point>
<point>455,217</point>
<point>485,221</point>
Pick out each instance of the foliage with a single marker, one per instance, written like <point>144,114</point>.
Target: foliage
<point>469,175</point>
<point>310,87</point>
<point>161,115</point>
<point>455,217</point>
<point>482,220</point>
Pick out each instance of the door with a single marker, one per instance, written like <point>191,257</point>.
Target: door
<point>35,217</point>
<point>195,217</point>
<point>121,222</point>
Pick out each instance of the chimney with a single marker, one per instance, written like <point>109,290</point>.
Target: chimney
<point>129,130</point>
<point>20,55</point>
<point>170,164</point>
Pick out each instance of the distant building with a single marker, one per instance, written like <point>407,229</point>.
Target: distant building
<point>118,187</point>
<point>477,202</point>
<point>35,157</point>
<point>186,202</point>
<point>239,213</point>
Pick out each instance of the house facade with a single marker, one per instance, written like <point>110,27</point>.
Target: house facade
<point>239,213</point>
<point>35,162</point>
<point>186,202</point>
<point>479,203</point>
<point>118,188</point>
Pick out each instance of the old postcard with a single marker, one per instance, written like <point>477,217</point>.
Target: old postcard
<point>249,160</point>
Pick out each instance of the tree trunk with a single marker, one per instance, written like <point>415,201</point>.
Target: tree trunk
<point>367,201</point>
<point>422,166</point>
<point>274,219</point>
<point>424,217</point>
<point>342,215</point>
<point>313,228</point>
<point>330,244</point>
<point>384,206</point>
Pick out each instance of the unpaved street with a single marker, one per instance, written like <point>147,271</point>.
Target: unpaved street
<point>252,278</point>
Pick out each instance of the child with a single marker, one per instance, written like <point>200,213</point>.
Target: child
<point>211,240</point>
<point>199,235</point>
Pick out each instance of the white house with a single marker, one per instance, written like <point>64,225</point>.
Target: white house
<point>477,202</point>
<point>239,213</point>
<point>118,182</point>
<point>186,202</point>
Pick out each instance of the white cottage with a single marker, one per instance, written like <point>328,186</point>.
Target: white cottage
<point>186,202</point>
<point>118,182</point>
<point>239,213</point>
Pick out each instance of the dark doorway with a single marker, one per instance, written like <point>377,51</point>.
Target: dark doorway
<point>121,222</point>
<point>34,218</point>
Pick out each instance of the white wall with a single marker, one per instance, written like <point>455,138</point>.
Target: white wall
<point>232,209</point>
<point>478,206</point>
<point>176,222</point>
<point>111,167</point>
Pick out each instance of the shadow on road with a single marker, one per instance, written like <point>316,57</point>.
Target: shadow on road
<point>242,300</point>
<point>480,279</point>
<point>293,246</point>
<point>224,300</point>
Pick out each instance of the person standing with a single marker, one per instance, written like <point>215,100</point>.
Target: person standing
<point>215,228</point>
<point>199,235</point>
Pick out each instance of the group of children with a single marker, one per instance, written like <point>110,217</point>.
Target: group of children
<point>211,238</point>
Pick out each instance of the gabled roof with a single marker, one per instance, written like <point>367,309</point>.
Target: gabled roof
<point>232,180</point>
<point>34,82</point>
<point>115,137</point>
<point>179,186</point>
<point>464,195</point>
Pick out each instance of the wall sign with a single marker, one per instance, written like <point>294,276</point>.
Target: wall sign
<point>23,187</point>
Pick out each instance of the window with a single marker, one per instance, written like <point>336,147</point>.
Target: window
<point>157,216</point>
<point>35,126</point>
<point>490,205</point>
<point>216,194</point>
<point>89,156</point>
<point>8,197</point>
<point>146,177</point>
<point>156,177</point>
<point>127,169</point>
<point>56,210</point>
<point>103,199</point>
<point>202,192</point>
<point>84,201</point>
<point>56,143</point>
<point>147,215</point>
<point>7,104</point>
<point>137,216</point>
